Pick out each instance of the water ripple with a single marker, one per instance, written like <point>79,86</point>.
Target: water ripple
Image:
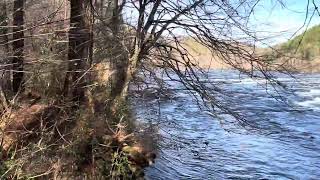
<point>195,146</point>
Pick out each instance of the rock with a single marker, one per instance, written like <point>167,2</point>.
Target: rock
<point>138,156</point>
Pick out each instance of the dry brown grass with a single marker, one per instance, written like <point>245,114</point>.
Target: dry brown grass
<point>59,141</point>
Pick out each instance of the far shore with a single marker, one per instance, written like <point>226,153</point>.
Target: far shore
<point>204,59</point>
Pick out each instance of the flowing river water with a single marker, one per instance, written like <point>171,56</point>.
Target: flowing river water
<point>193,145</point>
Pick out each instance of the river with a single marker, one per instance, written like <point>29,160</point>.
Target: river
<point>193,145</point>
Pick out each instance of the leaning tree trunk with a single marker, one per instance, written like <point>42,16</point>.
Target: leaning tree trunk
<point>80,48</point>
<point>18,45</point>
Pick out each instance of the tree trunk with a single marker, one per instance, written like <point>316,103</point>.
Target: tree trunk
<point>18,45</point>
<point>4,105</point>
<point>80,48</point>
<point>66,9</point>
<point>119,61</point>
<point>130,71</point>
<point>5,64</point>
<point>102,13</point>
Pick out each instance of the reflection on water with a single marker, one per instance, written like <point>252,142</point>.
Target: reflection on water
<point>195,146</point>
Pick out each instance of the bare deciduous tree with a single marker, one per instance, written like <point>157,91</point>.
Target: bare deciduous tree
<point>160,28</point>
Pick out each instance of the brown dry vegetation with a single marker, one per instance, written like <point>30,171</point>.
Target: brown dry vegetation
<point>292,62</point>
<point>203,56</point>
<point>65,144</point>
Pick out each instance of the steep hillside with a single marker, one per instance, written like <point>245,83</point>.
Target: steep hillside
<point>208,60</point>
<point>305,45</point>
<point>301,53</point>
<point>203,56</point>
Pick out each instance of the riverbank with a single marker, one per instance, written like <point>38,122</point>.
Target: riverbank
<point>57,140</point>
